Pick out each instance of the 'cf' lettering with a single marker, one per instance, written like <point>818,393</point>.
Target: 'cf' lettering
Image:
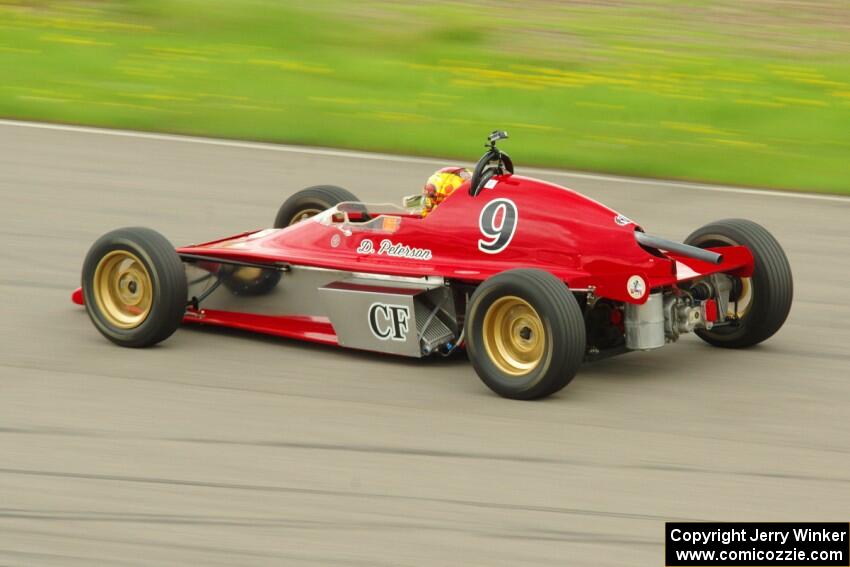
<point>389,322</point>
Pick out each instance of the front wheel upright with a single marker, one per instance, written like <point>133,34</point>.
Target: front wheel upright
<point>526,335</point>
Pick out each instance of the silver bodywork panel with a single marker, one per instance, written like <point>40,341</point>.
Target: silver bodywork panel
<point>396,315</point>
<point>295,294</point>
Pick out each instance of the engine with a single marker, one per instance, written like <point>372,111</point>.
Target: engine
<point>668,314</point>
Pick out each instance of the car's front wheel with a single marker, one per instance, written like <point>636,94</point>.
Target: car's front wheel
<point>249,280</point>
<point>525,334</point>
<point>134,287</point>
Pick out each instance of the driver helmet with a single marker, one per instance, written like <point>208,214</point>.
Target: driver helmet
<point>442,184</point>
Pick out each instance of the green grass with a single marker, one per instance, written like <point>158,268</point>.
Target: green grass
<point>733,92</point>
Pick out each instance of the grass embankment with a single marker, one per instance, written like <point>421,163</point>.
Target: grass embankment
<point>745,93</point>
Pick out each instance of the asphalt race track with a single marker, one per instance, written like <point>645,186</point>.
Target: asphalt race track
<point>224,448</point>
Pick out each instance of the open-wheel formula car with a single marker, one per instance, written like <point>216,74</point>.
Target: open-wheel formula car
<point>530,278</point>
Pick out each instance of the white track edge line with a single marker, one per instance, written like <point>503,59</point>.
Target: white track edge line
<point>353,154</point>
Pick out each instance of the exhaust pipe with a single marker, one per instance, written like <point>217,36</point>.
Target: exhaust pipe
<point>678,248</point>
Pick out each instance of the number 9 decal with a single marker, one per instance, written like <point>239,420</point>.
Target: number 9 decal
<point>497,223</point>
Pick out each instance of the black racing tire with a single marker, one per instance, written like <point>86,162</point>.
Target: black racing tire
<point>134,287</point>
<point>515,364</point>
<point>771,287</point>
<point>309,202</point>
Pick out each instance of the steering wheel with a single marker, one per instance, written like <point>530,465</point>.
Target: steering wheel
<point>494,162</point>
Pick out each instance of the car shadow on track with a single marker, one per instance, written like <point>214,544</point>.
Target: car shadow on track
<point>455,359</point>
<point>630,371</point>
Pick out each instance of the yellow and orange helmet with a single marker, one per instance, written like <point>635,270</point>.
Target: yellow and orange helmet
<point>442,184</point>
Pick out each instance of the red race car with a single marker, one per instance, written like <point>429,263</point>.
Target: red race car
<point>530,278</point>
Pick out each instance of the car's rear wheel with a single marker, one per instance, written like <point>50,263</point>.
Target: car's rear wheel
<point>302,205</point>
<point>310,202</point>
<point>759,304</point>
<point>134,287</point>
<point>525,334</point>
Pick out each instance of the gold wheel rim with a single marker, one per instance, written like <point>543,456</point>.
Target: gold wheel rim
<point>304,215</point>
<point>123,289</point>
<point>514,336</point>
<point>247,274</point>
